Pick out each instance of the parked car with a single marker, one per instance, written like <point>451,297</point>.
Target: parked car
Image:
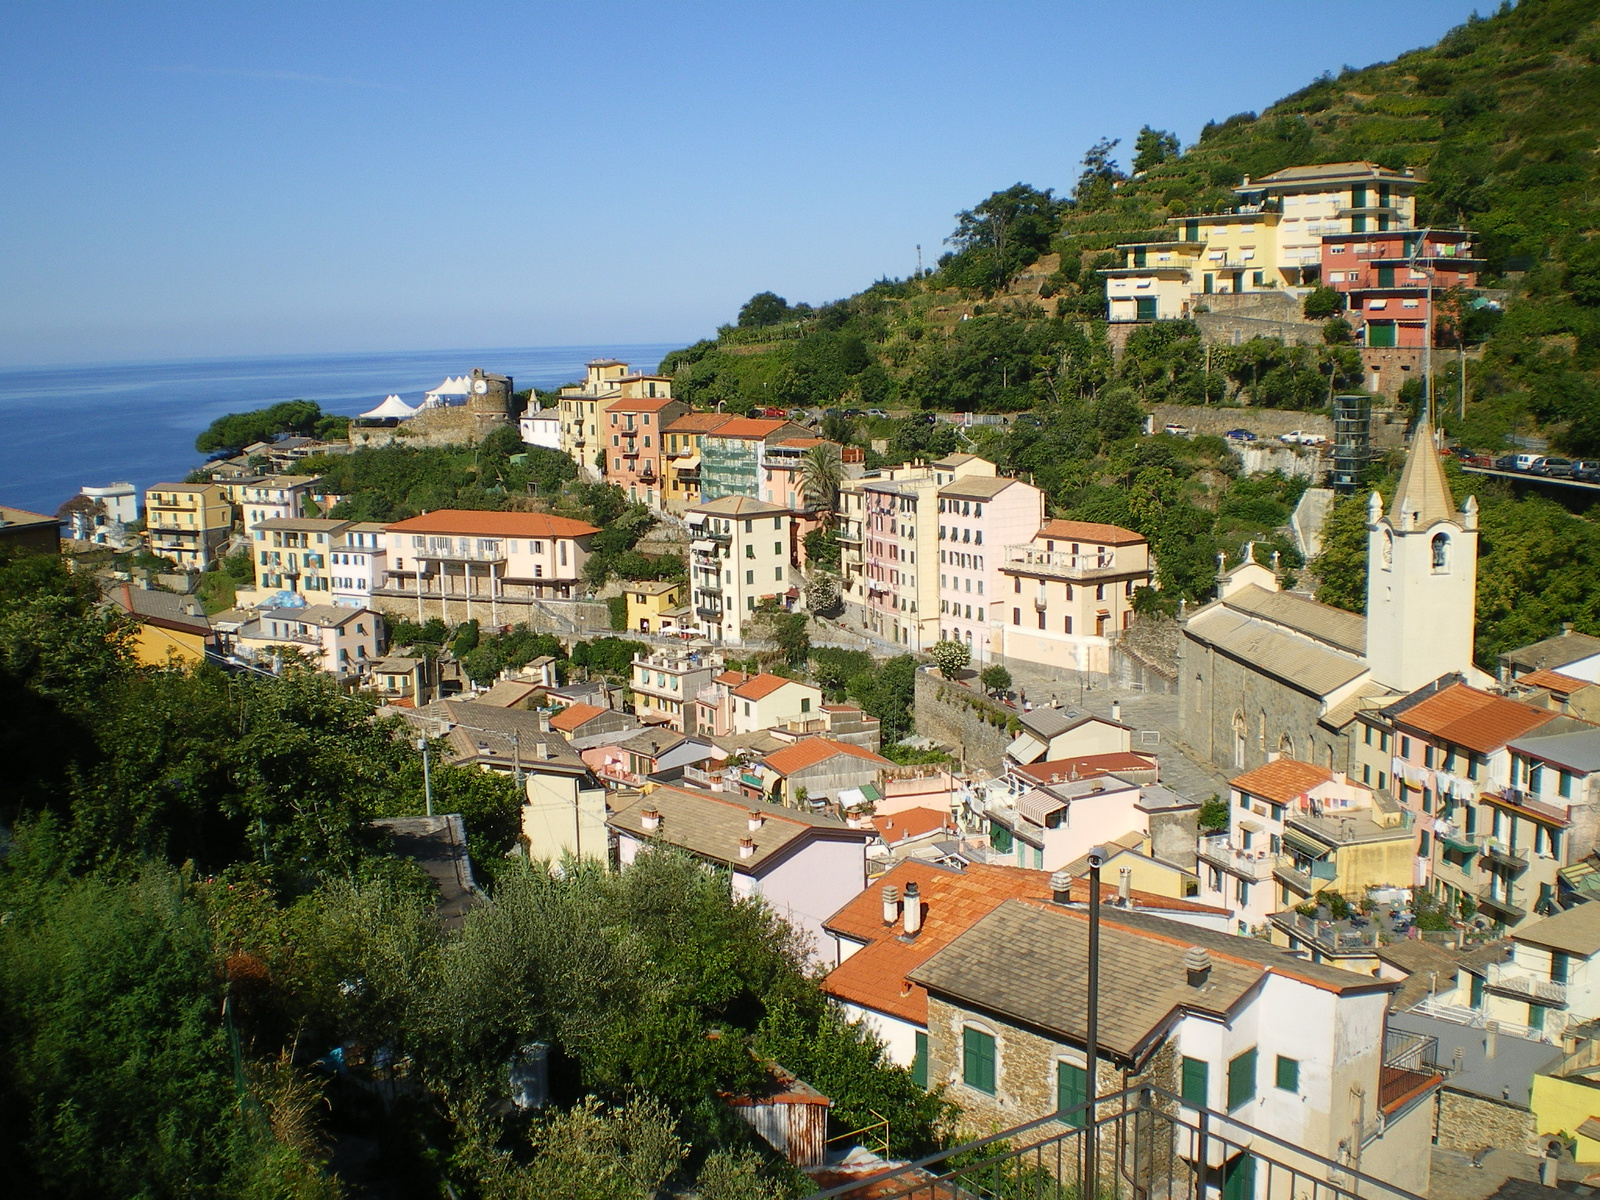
<point>1554,468</point>
<point>1506,462</point>
<point>1587,470</point>
<point>1301,437</point>
<point>1240,435</point>
<point>1177,430</point>
<point>1524,462</point>
<point>880,413</point>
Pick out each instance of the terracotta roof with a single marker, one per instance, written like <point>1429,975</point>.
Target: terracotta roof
<point>712,824</point>
<point>1089,765</point>
<point>574,715</point>
<point>804,443</point>
<point>737,506</point>
<point>1089,531</point>
<point>750,427</point>
<point>810,751</point>
<point>1554,681</point>
<point>759,687</point>
<point>699,422</point>
<point>641,404</point>
<point>732,678</point>
<point>1465,716</point>
<point>472,523</point>
<point>910,823</point>
<point>953,901</point>
<point>1284,781</point>
<point>1423,487</point>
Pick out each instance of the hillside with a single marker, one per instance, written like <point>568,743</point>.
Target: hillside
<point>1501,118</point>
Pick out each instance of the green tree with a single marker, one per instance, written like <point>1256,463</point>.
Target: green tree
<point>1342,565</point>
<point>1099,176</point>
<point>762,309</point>
<point>1152,148</point>
<point>996,239</point>
<point>232,433</point>
<point>1323,302</point>
<point>821,473</point>
<point>995,679</point>
<point>789,633</point>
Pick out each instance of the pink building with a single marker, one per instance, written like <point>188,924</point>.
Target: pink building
<point>978,518</point>
<point>1387,277</point>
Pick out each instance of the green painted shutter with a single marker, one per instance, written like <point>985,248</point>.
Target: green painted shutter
<point>1239,1178</point>
<point>1195,1084</point>
<point>1380,334</point>
<point>1242,1079</point>
<point>1191,231</point>
<point>1288,1074</point>
<point>1140,256</point>
<point>1145,308</point>
<point>1477,991</point>
<point>1385,276</point>
<point>977,1060</point>
<point>919,1064</point>
<point>1072,1089</point>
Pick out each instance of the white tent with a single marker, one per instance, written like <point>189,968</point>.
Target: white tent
<point>391,408</point>
<point>451,389</point>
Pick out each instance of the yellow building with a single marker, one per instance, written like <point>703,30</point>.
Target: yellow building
<point>173,629</point>
<point>1348,852</point>
<point>647,601</point>
<point>1567,1101</point>
<point>681,462</point>
<point>187,522</point>
<point>582,408</point>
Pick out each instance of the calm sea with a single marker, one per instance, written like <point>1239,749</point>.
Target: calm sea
<point>63,427</point>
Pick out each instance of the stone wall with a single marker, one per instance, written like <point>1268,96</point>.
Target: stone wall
<point>432,427</point>
<point>953,716</point>
<point>1468,1122</point>
<point>1229,329</point>
<point>1387,369</point>
<point>1265,422</point>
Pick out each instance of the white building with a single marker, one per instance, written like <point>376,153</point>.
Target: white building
<point>541,427</point>
<point>358,563</point>
<point>741,555</point>
<point>805,867</point>
<point>344,642</point>
<point>101,514</point>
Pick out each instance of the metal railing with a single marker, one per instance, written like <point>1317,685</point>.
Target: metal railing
<point>1147,1144</point>
<point>1522,983</point>
<point>1248,864</point>
<point>1325,935</point>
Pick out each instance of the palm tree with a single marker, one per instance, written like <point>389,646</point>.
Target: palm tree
<point>821,473</point>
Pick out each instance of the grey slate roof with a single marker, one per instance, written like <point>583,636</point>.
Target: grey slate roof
<point>1577,931</point>
<point>1576,749</point>
<point>1344,630</point>
<point>1553,653</point>
<point>976,487</point>
<point>1028,963</point>
<point>711,825</point>
<point>1312,668</point>
<point>165,607</point>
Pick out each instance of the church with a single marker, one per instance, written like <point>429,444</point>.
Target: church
<point>1266,672</point>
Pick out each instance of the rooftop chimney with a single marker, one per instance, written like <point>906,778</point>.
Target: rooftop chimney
<point>912,911</point>
<point>541,750</point>
<point>544,722</point>
<point>891,904</point>
<point>1197,965</point>
<point>1125,887</point>
<point>1491,1039</point>
<point>1061,886</point>
<point>1116,710</point>
<point>756,820</point>
<point>747,847</point>
<point>651,818</point>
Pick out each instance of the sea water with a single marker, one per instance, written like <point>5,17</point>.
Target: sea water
<point>63,427</point>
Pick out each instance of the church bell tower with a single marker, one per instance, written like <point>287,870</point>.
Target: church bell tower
<point>1422,575</point>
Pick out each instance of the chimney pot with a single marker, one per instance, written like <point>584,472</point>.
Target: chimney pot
<point>1197,965</point>
<point>747,847</point>
<point>1061,886</point>
<point>544,722</point>
<point>651,819</point>
<point>1116,710</point>
<point>1491,1039</point>
<point>756,820</point>
<point>891,904</point>
<point>912,911</point>
<point>1125,886</point>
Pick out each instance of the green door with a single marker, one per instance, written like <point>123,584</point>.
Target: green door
<point>1536,1017</point>
<point>1385,276</point>
<point>1358,197</point>
<point>1191,231</point>
<point>1239,1178</point>
<point>1072,1090</point>
<point>1145,308</point>
<point>1358,223</point>
<point>1210,284</point>
<point>1380,334</point>
<point>1140,256</point>
<point>1477,991</point>
<point>1238,281</point>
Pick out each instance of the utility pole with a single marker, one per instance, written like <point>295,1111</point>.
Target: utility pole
<point>427,781</point>
<point>919,260</point>
<point>1091,1050</point>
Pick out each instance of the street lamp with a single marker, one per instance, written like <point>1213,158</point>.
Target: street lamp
<point>427,781</point>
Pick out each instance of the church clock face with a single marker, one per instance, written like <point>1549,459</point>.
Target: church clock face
<point>481,386</point>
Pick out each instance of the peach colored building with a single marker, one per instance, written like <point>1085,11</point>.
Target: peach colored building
<point>978,518</point>
<point>632,439</point>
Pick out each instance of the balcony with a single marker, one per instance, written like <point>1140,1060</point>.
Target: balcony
<point>1501,904</point>
<point>1288,873</point>
<point>1495,855</point>
<point>1246,864</point>
<point>1327,937</point>
<point>1508,979</point>
<point>1058,564</point>
<point>712,612</point>
<point>474,553</point>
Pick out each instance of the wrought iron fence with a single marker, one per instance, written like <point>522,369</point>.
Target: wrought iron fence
<point>1146,1145</point>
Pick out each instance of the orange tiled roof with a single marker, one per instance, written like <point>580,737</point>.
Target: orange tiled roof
<point>1065,769</point>
<point>759,687</point>
<point>810,751</point>
<point>1284,781</point>
<point>750,427</point>
<point>472,523</point>
<point>1465,716</point>
<point>953,902</point>
<point>642,404</point>
<point>574,715</point>
<point>911,823</point>
<point>1089,531</point>
<point>699,422</point>
<point>1554,681</point>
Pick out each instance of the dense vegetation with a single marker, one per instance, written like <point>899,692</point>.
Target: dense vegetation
<point>215,972</point>
<point>233,432</point>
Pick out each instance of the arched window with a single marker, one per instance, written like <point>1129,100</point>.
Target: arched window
<point>1388,549</point>
<point>1441,552</point>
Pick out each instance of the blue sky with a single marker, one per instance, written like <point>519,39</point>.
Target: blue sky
<point>194,180</point>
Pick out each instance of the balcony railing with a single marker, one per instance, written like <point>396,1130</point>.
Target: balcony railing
<point>1327,936</point>
<point>1502,903</point>
<point>1249,864</point>
<point>456,554</point>
<point>1062,563</point>
<point>1140,1143</point>
<point>1493,853</point>
<point>1509,979</point>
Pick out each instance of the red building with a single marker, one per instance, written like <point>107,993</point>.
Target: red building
<point>634,446</point>
<point>1390,278</point>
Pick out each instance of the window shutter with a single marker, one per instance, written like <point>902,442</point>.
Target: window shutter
<point>1288,1074</point>
<point>1242,1079</point>
<point>1072,1089</point>
<point>1196,1082</point>
<point>977,1060</point>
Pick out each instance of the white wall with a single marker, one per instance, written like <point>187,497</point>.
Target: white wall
<point>810,886</point>
<point>899,1037</point>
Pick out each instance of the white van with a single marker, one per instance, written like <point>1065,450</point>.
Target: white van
<point>1524,462</point>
